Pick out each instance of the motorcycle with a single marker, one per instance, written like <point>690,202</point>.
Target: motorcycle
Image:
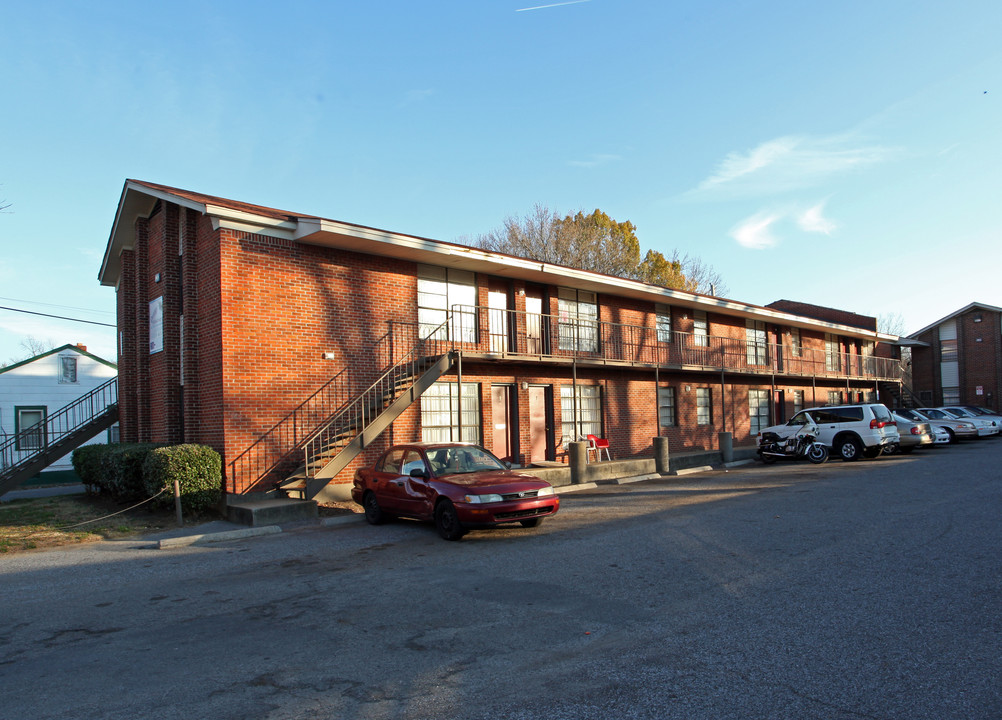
<point>803,444</point>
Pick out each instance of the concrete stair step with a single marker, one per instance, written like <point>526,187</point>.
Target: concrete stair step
<point>271,512</point>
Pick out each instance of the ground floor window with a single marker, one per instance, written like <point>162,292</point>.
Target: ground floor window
<point>951,396</point>
<point>440,413</point>
<point>834,397</point>
<point>798,401</point>
<point>758,410</point>
<point>704,406</point>
<point>31,422</point>
<point>666,406</point>
<point>589,411</point>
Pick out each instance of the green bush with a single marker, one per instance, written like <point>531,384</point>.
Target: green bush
<point>123,470</point>
<point>198,469</point>
<point>87,462</point>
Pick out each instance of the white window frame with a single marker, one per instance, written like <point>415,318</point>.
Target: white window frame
<point>833,353</point>
<point>758,410</point>
<point>69,370</point>
<point>704,406</point>
<point>756,343</point>
<point>589,411</point>
<point>700,328</point>
<point>440,413</point>
<point>447,293</point>
<point>577,320</point>
<point>662,321</point>
<point>667,407</point>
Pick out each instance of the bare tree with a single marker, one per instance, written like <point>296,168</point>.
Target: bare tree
<point>891,323</point>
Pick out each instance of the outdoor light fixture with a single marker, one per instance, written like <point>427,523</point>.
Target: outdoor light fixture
<point>329,356</point>
<point>525,386</point>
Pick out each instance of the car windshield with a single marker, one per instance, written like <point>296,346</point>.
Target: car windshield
<point>912,415</point>
<point>959,412</point>
<point>462,459</point>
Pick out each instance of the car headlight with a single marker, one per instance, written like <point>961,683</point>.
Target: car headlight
<point>479,499</point>
<point>545,492</point>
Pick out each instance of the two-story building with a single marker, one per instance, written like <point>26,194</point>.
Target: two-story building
<point>281,339</point>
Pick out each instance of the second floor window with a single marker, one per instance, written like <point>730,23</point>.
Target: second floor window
<point>67,369</point>
<point>833,353</point>
<point>756,343</point>
<point>700,329</point>
<point>796,346</point>
<point>577,320</point>
<point>446,294</point>
<point>663,320</point>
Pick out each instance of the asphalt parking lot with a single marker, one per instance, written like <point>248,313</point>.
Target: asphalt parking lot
<point>843,590</point>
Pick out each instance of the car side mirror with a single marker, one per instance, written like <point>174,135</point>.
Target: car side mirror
<point>507,464</point>
<point>420,474</point>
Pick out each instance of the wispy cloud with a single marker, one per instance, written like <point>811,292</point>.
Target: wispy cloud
<point>761,230</point>
<point>755,233</point>
<point>789,163</point>
<point>596,160</point>
<point>813,220</point>
<point>552,5</point>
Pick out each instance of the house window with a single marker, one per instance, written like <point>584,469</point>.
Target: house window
<point>114,434</point>
<point>948,350</point>
<point>834,397</point>
<point>29,427</point>
<point>666,406</point>
<point>756,345</point>
<point>796,346</point>
<point>700,329</point>
<point>663,319</point>
<point>758,410</point>
<point>798,401</point>
<point>704,406</point>
<point>589,411</point>
<point>951,396</point>
<point>577,320</point>
<point>833,353</point>
<point>67,369</point>
<point>440,408</point>
<point>446,294</point>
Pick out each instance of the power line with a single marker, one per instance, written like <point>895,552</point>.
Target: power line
<point>58,317</point>
<point>51,305</point>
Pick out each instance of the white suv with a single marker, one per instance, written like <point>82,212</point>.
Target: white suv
<point>850,431</point>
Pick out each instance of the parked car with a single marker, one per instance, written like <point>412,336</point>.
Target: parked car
<point>967,413</point>
<point>958,429</point>
<point>913,433</point>
<point>457,485</point>
<point>940,435</point>
<point>850,431</point>
<point>984,428</point>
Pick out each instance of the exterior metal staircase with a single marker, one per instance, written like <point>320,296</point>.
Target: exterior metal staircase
<point>903,396</point>
<point>333,446</point>
<point>33,449</point>
<point>317,440</point>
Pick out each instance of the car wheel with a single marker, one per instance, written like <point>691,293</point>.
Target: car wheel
<point>374,514</point>
<point>850,449</point>
<point>531,522</point>
<point>953,436</point>
<point>447,521</point>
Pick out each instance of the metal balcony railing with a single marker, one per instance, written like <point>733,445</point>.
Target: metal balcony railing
<point>511,334</point>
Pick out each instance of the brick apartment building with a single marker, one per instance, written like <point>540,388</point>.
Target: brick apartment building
<point>280,339</point>
<point>958,359</point>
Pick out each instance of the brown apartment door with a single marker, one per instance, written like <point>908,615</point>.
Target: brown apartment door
<point>540,423</point>
<point>536,321</point>
<point>501,419</point>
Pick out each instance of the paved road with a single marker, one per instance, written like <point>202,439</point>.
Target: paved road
<point>848,590</point>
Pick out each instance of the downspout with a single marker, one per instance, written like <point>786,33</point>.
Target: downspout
<point>459,392</point>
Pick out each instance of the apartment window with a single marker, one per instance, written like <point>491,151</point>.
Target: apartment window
<point>796,345</point>
<point>440,413</point>
<point>577,320</point>
<point>666,406</point>
<point>446,294</point>
<point>948,350</point>
<point>67,369</point>
<point>758,410</point>
<point>704,406</point>
<point>833,353</point>
<point>31,421</point>
<point>700,329</point>
<point>834,397</point>
<point>798,401</point>
<point>756,344</point>
<point>951,396</point>
<point>663,319</point>
<point>589,411</point>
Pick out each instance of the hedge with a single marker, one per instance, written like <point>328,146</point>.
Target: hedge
<point>197,468</point>
<point>137,471</point>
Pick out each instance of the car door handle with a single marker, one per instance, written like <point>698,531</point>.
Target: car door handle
<point>398,483</point>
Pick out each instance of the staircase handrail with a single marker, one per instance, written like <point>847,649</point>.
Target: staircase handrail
<point>287,435</point>
<point>369,403</point>
<point>64,421</point>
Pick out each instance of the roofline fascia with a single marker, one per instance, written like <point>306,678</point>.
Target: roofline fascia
<point>969,306</point>
<point>68,346</point>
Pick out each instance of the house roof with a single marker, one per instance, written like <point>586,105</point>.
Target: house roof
<point>961,311</point>
<point>63,348</point>
<point>139,199</point>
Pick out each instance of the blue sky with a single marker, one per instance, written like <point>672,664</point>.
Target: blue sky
<point>845,155</point>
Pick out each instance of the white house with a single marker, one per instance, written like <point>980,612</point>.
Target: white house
<point>33,390</point>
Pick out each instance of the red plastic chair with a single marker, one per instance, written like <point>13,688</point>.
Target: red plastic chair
<point>598,445</point>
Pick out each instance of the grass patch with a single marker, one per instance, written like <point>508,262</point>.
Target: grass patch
<point>40,523</point>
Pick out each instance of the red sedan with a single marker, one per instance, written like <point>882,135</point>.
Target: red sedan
<point>458,485</point>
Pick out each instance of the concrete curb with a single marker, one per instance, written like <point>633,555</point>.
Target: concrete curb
<point>218,537</point>
<point>693,470</point>
<point>574,488</point>
<point>738,463</point>
<point>637,478</point>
